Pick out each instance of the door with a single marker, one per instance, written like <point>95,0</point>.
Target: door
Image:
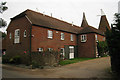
<point>71,54</point>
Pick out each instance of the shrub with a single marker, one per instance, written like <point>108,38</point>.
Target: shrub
<point>102,48</point>
<point>46,58</point>
<point>5,59</point>
<point>15,60</point>
<point>35,64</point>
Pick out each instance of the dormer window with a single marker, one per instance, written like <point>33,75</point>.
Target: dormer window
<point>25,33</point>
<point>83,38</point>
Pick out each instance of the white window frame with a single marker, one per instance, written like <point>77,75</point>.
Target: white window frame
<point>50,49</point>
<point>40,49</point>
<point>10,36</point>
<point>62,53</point>
<point>71,54</point>
<point>25,33</point>
<point>17,36</point>
<point>50,34</point>
<point>62,36</point>
<point>71,37</point>
<point>83,38</point>
<point>96,37</point>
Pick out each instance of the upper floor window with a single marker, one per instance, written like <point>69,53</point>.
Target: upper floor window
<point>25,33</point>
<point>17,36</point>
<point>50,34</point>
<point>83,38</point>
<point>10,35</point>
<point>103,38</point>
<point>96,37</point>
<point>71,37</point>
<point>62,36</point>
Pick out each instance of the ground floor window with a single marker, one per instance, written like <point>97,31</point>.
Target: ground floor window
<point>50,49</point>
<point>62,54</point>
<point>40,49</point>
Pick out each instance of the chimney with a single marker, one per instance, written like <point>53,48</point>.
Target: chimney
<point>72,23</point>
<point>44,13</point>
<point>51,14</point>
<point>119,7</point>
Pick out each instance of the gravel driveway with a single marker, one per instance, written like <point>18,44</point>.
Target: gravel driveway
<point>96,68</point>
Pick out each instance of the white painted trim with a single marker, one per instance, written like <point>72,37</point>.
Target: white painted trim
<point>28,19</point>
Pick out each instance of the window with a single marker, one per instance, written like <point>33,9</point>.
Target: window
<point>25,33</point>
<point>71,37</point>
<point>50,49</point>
<point>71,49</point>
<point>83,38</point>
<point>62,53</point>
<point>104,39</point>
<point>40,49</point>
<point>50,34</point>
<point>10,35</point>
<point>17,36</point>
<point>62,36</point>
<point>96,37</point>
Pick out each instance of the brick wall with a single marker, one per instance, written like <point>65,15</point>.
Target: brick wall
<point>40,39</point>
<point>18,48</point>
<point>101,38</point>
<point>87,49</point>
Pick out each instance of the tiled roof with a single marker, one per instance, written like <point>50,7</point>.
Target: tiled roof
<point>90,29</point>
<point>103,23</point>
<point>84,21</point>
<point>42,20</point>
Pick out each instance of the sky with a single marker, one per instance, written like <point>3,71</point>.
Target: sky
<point>67,10</point>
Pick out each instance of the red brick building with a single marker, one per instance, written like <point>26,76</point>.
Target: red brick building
<point>32,31</point>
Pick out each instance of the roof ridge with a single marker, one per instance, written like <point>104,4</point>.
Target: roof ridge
<point>54,18</point>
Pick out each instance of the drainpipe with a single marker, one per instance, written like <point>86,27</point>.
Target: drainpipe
<point>30,43</point>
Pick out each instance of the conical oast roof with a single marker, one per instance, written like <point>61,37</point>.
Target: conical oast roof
<point>84,21</point>
<point>103,24</point>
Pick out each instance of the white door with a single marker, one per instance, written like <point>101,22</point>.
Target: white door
<point>71,54</point>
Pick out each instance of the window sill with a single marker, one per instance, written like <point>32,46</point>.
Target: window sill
<point>83,41</point>
<point>16,43</point>
<point>50,38</point>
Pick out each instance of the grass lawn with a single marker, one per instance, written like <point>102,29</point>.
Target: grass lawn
<point>75,60</point>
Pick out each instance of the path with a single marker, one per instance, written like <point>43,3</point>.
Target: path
<point>96,68</point>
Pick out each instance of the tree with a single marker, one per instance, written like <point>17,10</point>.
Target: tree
<point>2,9</point>
<point>113,41</point>
<point>102,48</point>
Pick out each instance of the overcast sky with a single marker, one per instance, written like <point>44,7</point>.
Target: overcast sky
<point>69,10</point>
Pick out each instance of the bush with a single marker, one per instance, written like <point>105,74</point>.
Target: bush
<point>35,64</point>
<point>46,58</point>
<point>102,48</point>
<point>15,60</point>
<point>5,59</point>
